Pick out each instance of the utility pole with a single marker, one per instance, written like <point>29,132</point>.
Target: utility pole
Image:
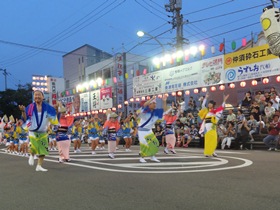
<point>5,75</point>
<point>175,7</point>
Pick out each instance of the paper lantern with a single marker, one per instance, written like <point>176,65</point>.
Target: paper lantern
<point>271,28</point>
<point>213,49</point>
<point>131,100</point>
<point>115,79</point>
<point>233,45</point>
<point>179,93</point>
<point>148,97</point>
<point>166,94</point>
<point>278,78</point>
<point>213,88</point>
<point>114,109</point>
<point>222,46</point>
<point>242,84</point>
<point>96,112</point>
<point>204,89</point>
<point>104,111</point>
<point>119,106</point>
<point>196,90</point>
<point>187,92</point>
<point>126,75</point>
<point>100,110</point>
<point>244,42</point>
<point>143,98</point>
<point>88,113</point>
<point>144,71</point>
<point>173,93</point>
<point>92,112</point>
<point>254,82</point>
<point>160,96</point>
<point>126,103</point>
<point>137,99</point>
<point>265,80</point>
<point>222,87</point>
<point>232,85</point>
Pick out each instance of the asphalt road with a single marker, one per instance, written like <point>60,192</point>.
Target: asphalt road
<point>187,180</point>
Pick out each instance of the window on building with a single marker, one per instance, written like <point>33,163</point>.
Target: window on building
<point>107,73</point>
<point>99,74</point>
<point>67,84</point>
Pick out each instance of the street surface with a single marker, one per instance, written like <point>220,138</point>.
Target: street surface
<point>237,179</point>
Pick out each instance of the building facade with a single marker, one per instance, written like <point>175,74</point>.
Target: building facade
<point>75,62</point>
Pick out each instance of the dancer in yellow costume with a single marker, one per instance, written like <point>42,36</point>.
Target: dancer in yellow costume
<point>210,117</point>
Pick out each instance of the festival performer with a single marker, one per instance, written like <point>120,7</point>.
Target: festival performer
<point>148,115</point>
<point>22,135</point>
<point>170,116</point>
<point>62,137</point>
<point>127,126</point>
<point>111,126</point>
<point>76,136</point>
<point>93,135</point>
<point>52,137</point>
<point>38,116</point>
<point>210,117</point>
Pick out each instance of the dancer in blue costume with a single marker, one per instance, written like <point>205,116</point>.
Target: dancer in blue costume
<point>38,116</point>
<point>148,141</point>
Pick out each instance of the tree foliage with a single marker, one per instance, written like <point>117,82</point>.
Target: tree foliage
<point>10,99</point>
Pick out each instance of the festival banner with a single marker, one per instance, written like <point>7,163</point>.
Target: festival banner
<point>149,84</point>
<point>212,71</point>
<point>248,56</point>
<point>181,77</point>
<point>119,69</point>
<point>95,100</point>
<point>106,99</point>
<point>84,102</point>
<point>252,71</point>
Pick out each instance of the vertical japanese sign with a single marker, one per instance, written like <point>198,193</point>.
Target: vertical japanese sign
<point>84,102</point>
<point>119,74</point>
<point>95,100</point>
<point>106,100</point>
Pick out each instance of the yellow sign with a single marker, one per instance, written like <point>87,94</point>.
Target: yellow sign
<point>248,56</point>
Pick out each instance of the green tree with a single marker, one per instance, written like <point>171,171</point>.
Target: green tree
<point>10,99</point>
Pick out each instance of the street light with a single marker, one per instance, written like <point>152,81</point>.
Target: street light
<point>142,33</point>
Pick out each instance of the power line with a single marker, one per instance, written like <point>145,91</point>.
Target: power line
<point>226,14</point>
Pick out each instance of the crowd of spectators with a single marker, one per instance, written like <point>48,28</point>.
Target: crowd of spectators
<point>255,115</point>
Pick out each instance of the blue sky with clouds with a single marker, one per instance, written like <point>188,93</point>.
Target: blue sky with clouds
<point>36,33</point>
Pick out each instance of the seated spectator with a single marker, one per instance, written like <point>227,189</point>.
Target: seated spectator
<point>253,125</point>
<point>186,135</point>
<point>231,117</point>
<point>191,119</point>
<point>183,118</point>
<point>267,96</point>
<point>255,104</point>
<point>179,129</point>
<point>193,134</point>
<point>257,116</point>
<point>221,131</point>
<point>242,131</point>
<point>271,140</point>
<point>275,100</point>
<point>258,96</point>
<point>247,100</point>
<point>269,111</point>
<point>229,136</point>
<point>191,104</point>
<point>159,134</point>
